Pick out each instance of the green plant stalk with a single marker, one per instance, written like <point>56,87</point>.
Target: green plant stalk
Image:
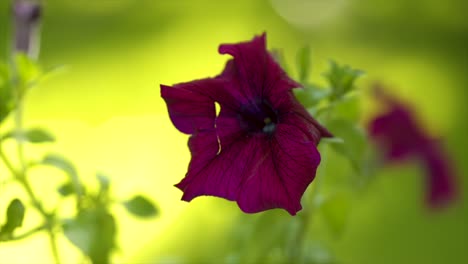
<point>305,217</point>
<point>21,175</point>
<point>26,234</point>
<point>49,219</point>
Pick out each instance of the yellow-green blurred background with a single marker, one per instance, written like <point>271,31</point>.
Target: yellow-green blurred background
<point>107,114</point>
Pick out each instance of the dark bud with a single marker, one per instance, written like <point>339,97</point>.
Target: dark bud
<point>26,15</point>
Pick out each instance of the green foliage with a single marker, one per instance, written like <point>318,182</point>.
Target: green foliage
<point>28,71</point>
<point>93,227</point>
<point>15,216</point>
<point>303,63</point>
<point>93,231</point>
<point>141,206</point>
<point>33,135</point>
<point>61,163</point>
<point>66,189</point>
<point>278,55</point>
<point>311,95</point>
<point>341,78</point>
<point>347,108</point>
<point>354,141</point>
<point>7,102</point>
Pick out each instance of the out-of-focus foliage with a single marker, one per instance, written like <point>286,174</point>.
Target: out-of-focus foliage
<point>14,219</point>
<point>92,228</point>
<point>110,118</point>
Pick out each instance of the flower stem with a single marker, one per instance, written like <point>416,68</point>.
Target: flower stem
<point>26,234</point>
<point>20,176</point>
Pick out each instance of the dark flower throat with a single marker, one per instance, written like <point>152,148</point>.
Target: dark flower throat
<point>258,117</point>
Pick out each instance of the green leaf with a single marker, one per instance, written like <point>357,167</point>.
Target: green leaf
<point>104,186</point>
<point>311,95</point>
<point>65,165</point>
<point>303,63</point>
<point>66,189</point>
<point>141,206</point>
<point>15,213</point>
<point>279,58</point>
<point>336,209</point>
<point>34,135</point>
<point>28,70</point>
<point>51,72</point>
<point>354,145</point>
<point>61,163</point>
<point>333,140</point>
<point>104,182</point>
<point>7,102</point>
<point>93,231</point>
<point>349,108</point>
<point>15,216</point>
<point>38,135</point>
<point>341,78</point>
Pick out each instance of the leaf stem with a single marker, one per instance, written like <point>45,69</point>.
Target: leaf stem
<point>20,176</point>
<point>26,234</point>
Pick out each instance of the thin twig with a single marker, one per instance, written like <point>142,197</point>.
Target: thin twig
<point>26,234</point>
<point>20,176</point>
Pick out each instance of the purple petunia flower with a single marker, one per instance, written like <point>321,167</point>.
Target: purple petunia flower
<point>261,149</point>
<point>401,137</point>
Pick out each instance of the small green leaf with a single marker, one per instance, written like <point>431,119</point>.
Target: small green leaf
<point>28,70</point>
<point>333,140</point>
<point>93,231</point>
<point>66,189</point>
<point>341,78</point>
<point>354,145</point>
<point>15,213</point>
<point>348,108</point>
<point>15,216</point>
<point>141,206</point>
<point>61,163</point>
<point>34,135</point>
<point>104,186</point>
<point>303,63</point>
<point>65,165</point>
<point>311,95</point>
<point>7,102</point>
<point>278,56</point>
<point>38,135</point>
<point>104,182</point>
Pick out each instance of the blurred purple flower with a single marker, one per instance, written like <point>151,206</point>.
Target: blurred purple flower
<point>26,20</point>
<point>261,149</point>
<point>398,133</point>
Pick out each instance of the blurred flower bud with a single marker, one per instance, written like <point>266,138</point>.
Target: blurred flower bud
<point>26,15</point>
<point>400,136</point>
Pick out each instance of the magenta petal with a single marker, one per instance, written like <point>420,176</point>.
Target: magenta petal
<point>189,104</point>
<point>296,115</point>
<point>441,182</point>
<point>216,166</point>
<point>285,165</point>
<point>401,136</point>
<point>398,133</point>
<point>254,71</point>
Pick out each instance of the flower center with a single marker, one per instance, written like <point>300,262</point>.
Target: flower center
<point>258,117</point>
